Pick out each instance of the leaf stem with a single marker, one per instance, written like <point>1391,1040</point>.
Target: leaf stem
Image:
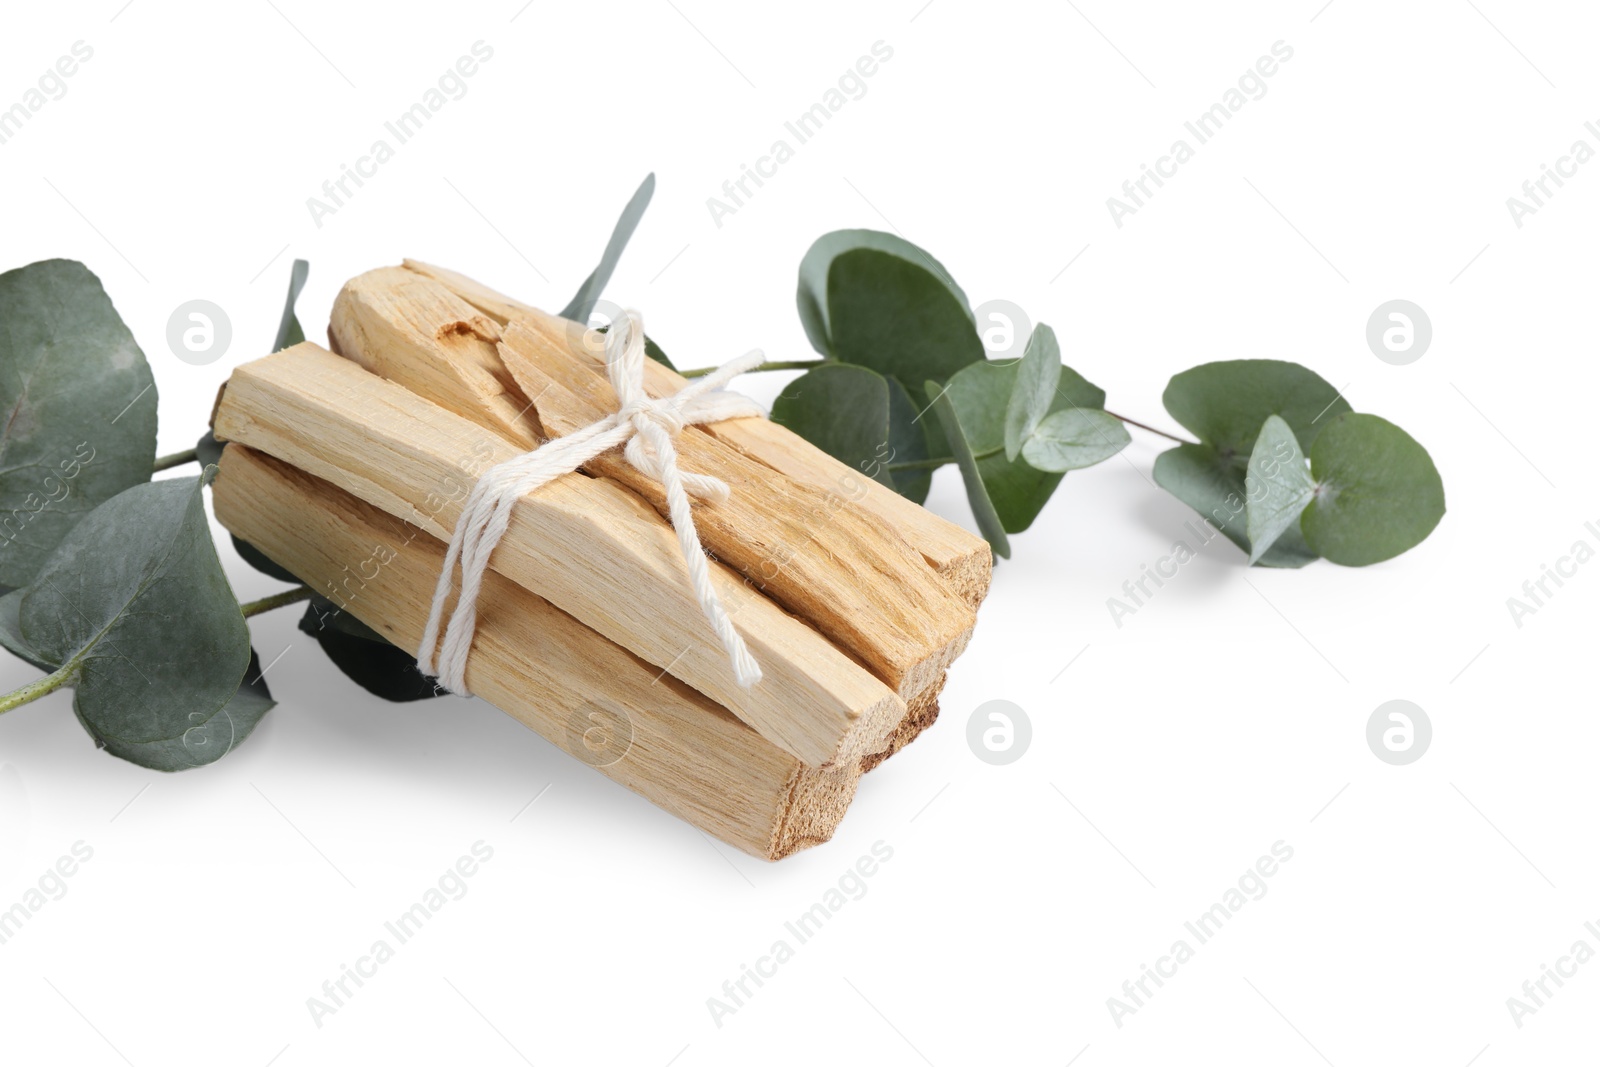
<point>177,459</point>
<point>781,364</point>
<point>1151,429</point>
<point>39,687</point>
<point>277,600</point>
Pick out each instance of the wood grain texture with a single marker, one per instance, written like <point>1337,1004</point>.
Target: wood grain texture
<point>593,550</point>
<point>685,754</point>
<point>962,558</point>
<point>813,551</point>
<point>381,316</point>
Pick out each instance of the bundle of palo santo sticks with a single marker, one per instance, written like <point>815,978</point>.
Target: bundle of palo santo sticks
<point>350,468</point>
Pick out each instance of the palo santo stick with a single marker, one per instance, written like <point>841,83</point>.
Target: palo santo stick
<point>425,325</point>
<point>839,568</point>
<point>392,309</point>
<point>963,559</point>
<point>685,755</point>
<point>591,549</point>
<point>834,565</point>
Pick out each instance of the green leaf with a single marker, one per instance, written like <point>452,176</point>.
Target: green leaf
<point>289,331</point>
<point>323,614</point>
<point>1224,404</point>
<point>983,509</point>
<point>1075,438</point>
<point>1213,485</point>
<point>1277,486</point>
<point>11,632</point>
<point>370,661</point>
<point>78,406</point>
<point>134,600</point>
<point>258,559</point>
<point>980,395</point>
<point>207,739</point>
<point>1034,390</point>
<point>908,443</point>
<point>1378,492</point>
<point>588,294</point>
<point>653,350</point>
<point>208,450</point>
<point>876,300</point>
<point>844,411</point>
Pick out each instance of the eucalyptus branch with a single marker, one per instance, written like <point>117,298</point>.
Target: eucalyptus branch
<point>177,459</point>
<point>277,600</point>
<point>781,364</point>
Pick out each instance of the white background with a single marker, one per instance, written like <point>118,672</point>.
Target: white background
<point>1227,714</point>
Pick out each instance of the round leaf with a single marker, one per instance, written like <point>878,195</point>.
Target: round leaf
<point>135,598</point>
<point>1378,492</point>
<point>1277,486</point>
<point>1075,438</point>
<point>844,411</point>
<point>1199,476</point>
<point>908,443</point>
<point>879,301</point>
<point>980,395</point>
<point>1224,404</point>
<point>207,739</point>
<point>79,409</point>
<point>1035,388</point>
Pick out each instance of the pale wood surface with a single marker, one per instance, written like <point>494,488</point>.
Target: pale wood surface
<point>962,558</point>
<point>686,755</point>
<point>592,549</point>
<point>833,564</point>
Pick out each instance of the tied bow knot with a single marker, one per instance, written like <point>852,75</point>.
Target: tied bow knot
<point>645,427</point>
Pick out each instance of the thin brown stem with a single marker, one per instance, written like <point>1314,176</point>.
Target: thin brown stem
<point>1151,429</point>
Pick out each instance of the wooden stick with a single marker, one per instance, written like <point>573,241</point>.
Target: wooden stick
<point>590,548</point>
<point>393,310</point>
<point>836,566</point>
<point>669,744</point>
<point>412,347</point>
<point>963,559</point>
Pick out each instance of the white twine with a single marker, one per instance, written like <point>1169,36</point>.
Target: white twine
<point>646,426</point>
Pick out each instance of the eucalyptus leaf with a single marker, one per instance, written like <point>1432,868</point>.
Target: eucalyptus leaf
<point>1277,486</point>
<point>373,663</point>
<point>1075,438</point>
<point>980,395</point>
<point>908,443</point>
<point>1213,485</point>
<point>844,411</point>
<point>323,614</point>
<point>289,331</point>
<point>879,301</point>
<point>588,294</point>
<point>208,450</point>
<point>135,602</point>
<point>983,509</point>
<point>11,632</point>
<point>1378,492</point>
<point>79,409</point>
<point>651,349</point>
<point>1034,390</point>
<point>1224,404</point>
<point>207,739</point>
